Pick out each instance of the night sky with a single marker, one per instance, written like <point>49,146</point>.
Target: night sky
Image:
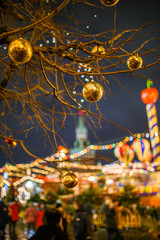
<point>123,104</point>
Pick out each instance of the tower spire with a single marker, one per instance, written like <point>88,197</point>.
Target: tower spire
<point>81,134</point>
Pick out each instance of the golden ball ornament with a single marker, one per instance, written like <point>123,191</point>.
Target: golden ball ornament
<point>98,49</point>
<point>134,62</point>
<point>14,144</point>
<point>11,143</point>
<point>92,91</point>
<point>109,3</point>
<point>70,180</point>
<point>20,51</point>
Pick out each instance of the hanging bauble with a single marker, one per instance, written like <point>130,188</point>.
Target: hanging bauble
<point>109,3</point>
<point>20,51</point>
<point>70,180</point>
<point>11,143</point>
<point>98,50</point>
<point>134,62</point>
<point>92,91</point>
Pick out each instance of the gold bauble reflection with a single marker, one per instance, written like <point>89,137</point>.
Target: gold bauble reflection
<point>70,180</point>
<point>92,91</point>
<point>14,144</point>
<point>98,50</point>
<point>20,50</point>
<point>109,3</point>
<point>134,62</point>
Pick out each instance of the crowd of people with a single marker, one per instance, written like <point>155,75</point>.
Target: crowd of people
<point>19,224</point>
<point>40,222</point>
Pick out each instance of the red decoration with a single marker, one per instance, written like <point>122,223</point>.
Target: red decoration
<point>80,113</point>
<point>63,149</point>
<point>10,143</point>
<point>149,95</point>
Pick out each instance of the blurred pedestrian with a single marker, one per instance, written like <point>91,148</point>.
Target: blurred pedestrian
<point>14,208</point>
<point>60,208</point>
<point>82,222</point>
<point>113,232</point>
<point>40,213</point>
<point>21,229</point>
<point>51,229</point>
<point>30,216</point>
<point>4,218</point>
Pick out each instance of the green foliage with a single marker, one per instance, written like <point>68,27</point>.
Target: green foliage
<point>93,196</point>
<point>64,191</point>
<point>154,212</point>
<point>102,181</point>
<point>35,198</point>
<point>10,196</point>
<point>50,198</point>
<point>149,211</point>
<point>128,196</point>
<point>142,210</point>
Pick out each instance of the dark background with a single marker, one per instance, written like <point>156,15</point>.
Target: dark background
<point>123,105</point>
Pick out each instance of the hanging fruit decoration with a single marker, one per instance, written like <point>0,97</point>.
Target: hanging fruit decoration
<point>142,149</point>
<point>109,3</point>
<point>98,50</point>
<point>70,180</point>
<point>134,62</point>
<point>150,96</point>
<point>124,153</point>
<point>92,91</point>
<point>10,142</point>
<point>20,51</point>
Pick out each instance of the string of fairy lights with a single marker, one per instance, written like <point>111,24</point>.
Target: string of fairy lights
<point>40,166</point>
<point>27,172</point>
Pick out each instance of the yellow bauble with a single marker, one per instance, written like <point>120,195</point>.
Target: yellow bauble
<point>70,180</point>
<point>20,50</point>
<point>98,49</point>
<point>109,3</point>
<point>14,144</point>
<point>92,91</point>
<point>134,62</point>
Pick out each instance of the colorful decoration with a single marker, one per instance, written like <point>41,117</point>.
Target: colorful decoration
<point>149,96</point>
<point>4,182</point>
<point>46,170</point>
<point>23,195</point>
<point>10,142</point>
<point>62,149</point>
<point>98,49</point>
<point>142,149</point>
<point>39,166</point>
<point>134,62</point>
<point>124,153</point>
<point>20,51</point>
<point>28,178</point>
<point>92,91</point>
<point>70,180</point>
<point>3,192</point>
<point>147,190</point>
<point>109,3</point>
